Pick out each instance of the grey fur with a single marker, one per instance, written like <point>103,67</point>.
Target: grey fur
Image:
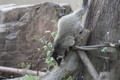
<point>69,27</point>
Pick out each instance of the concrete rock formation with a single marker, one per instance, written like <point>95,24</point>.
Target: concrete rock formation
<point>18,24</point>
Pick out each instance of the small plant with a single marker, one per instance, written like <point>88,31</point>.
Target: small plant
<point>26,77</point>
<point>53,21</point>
<point>34,38</point>
<point>69,78</point>
<point>104,49</point>
<point>54,34</point>
<point>48,47</point>
<point>108,49</point>
<point>25,65</point>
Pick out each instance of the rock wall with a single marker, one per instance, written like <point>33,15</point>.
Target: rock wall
<point>18,24</point>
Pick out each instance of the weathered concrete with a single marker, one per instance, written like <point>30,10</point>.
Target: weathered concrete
<point>18,24</point>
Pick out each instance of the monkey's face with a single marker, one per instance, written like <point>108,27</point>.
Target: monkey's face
<point>56,58</point>
<point>59,54</point>
<point>61,48</point>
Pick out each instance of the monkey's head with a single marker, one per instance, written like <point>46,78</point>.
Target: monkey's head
<point>61,48</point>
<point>59,53</point>
<point>56,58</point>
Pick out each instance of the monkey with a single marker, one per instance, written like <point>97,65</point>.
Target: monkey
<point>69,27</point>
<point>62,10</point>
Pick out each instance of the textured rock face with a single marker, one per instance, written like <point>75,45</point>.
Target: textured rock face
<point>18,24</point>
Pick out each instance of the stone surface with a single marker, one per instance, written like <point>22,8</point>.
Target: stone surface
<point>5,6</point>
<point>18,24</point>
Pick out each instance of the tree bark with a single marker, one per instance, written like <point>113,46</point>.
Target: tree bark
<point>71,64</point>
<point>103,20</point>
<point>21,71</point>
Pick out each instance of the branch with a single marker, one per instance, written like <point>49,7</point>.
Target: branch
<point>81,41</point>
<point>94,47</point>
<point>20,71</point>
<point>72,62</point>
<point>88,65</point>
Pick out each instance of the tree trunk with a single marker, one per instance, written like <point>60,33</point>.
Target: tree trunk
<point>103,20</point>
<point>72,62</point>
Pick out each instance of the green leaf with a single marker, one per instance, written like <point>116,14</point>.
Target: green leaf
<point>53,21</point>
<point>66,69</point>
<point>45,47</point>
<point>108,49</point>
<point>49,53</point>
<point>111,49</point>
<point>54,34</point>
<point>32,38</point>
<point>69,78</point>
<point>26,77</point>
<point>44,69</point>
<point>104,49</point>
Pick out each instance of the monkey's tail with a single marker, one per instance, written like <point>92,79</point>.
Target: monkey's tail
<point>84,6</point>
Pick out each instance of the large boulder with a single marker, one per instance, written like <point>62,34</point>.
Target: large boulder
<point>18,24</point>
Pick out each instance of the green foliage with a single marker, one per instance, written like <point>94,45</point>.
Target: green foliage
<point>34,38</point>
<point>53,21</point>
<point>25,65</point>
<point>48,47</point>
<point>108,49</point>
<point>54,34</point>
<point>26,77</point>
<point>69,78</point>
<point>66,69</point>
<point>104,49</point>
